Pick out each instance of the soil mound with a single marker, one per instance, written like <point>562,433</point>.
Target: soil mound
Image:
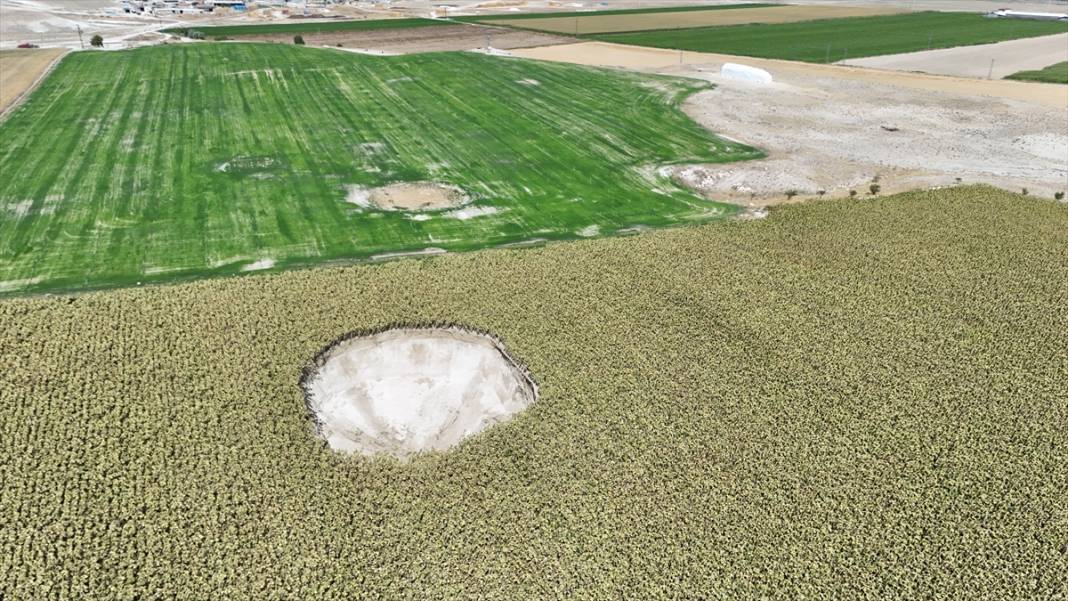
<point>409,196</point>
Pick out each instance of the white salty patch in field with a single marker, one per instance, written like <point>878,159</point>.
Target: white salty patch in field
<point>359,196</point>
<point>753,213</point>
<point>426,252</point>
<point>524,243</point>
<point>369,51</point>
<point>492,51</point>
<point>265,263</point>
<point>1048,145</point>
<point>10,285</point>
<point>408,390</point>
<point>216,263</point>
<point>590,231</point>
<point>159,270</point>
<point>244,163</point>
<point>634,229</point>
<point>528,82</point>
<point>20,208</point>
<point>471,212</point>
<point>372,147</point>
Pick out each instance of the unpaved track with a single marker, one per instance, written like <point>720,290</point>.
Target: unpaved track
<point>21,70</point>
<point>605,54</point>
<point>987,60</point>
<point>644,21</point>
<point>825,126</point>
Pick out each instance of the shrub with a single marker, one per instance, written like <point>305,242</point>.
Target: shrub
<point>874,189</point>
<point>298,40</point>
<point>1025,191</point>
<point>1058,195</point>
<point>194,34</point>
<point>852,193</point>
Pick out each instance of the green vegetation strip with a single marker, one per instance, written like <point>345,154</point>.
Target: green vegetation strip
<point>833,40</point>
<point>308,27</point>
<point>854,400</point>
<point>1052,74</point>
<point>605,13</point>
<point>197,159</point>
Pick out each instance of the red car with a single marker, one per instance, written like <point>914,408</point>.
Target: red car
<point>27,45</point>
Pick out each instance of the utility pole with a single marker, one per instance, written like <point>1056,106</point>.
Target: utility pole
<point>990,73</point>
<point>80,40</point>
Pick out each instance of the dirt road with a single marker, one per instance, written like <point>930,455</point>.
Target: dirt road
<point>986,61</point>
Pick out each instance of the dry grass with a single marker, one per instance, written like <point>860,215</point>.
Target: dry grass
<point>20,69</point>
<point>674,20</point>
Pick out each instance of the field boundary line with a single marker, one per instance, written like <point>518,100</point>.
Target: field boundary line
<point>21,98</point>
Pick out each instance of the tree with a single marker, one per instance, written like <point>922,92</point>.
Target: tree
<point>298,40</point>
<point>1058,195</point>
<point>874,189</point>
<point>97,41</point>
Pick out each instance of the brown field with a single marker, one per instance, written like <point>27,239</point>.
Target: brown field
<point>740,16</point>
<point>20,70</point>
<point>420,39</point>
<point>835,128</point>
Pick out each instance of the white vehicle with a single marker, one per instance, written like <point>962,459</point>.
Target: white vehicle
<point>1004,13</point>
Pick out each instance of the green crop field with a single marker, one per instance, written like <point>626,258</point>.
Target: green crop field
<point>846,400</point>
<point>605,13</point>
<point>308,27</point>
<point>833,40</point>
<point>197,159</point>
<point>1052,74</point>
